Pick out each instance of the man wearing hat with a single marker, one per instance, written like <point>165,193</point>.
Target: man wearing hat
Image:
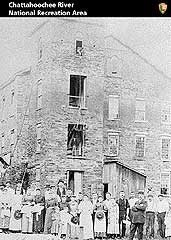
<point>61,188</point>
<point>150,216</point>
<point>162,208</point>
<point>138,217</point>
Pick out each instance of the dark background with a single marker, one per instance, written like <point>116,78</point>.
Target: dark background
<point>104,8</point>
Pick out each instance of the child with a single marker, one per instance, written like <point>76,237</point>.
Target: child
<point>65,217</point>
<point>55,221</point>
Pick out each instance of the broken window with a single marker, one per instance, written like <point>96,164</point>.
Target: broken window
<point>77,91</point>
<point>113,144</point>
<point>140,110</point>
<point>79,48</point>
<point>75,139</point>
<point>140,146</point>
<point>74,181</point>
<point>165,183</point>
<point>165,151</point>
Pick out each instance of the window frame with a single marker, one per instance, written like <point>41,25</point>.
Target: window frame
<point>118,98</point>
<point>169,150</point>
<point>83,143</point>
<point>118,136</point>
<point>74,171</point>
<point>83,104</point>
<point>137,110</point>
<point>166,172</point>
<point>164,107</point>
<point>76,47</point>
<point>140,135</point>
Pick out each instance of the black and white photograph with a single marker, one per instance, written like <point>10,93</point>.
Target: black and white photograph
<point>85,128</point>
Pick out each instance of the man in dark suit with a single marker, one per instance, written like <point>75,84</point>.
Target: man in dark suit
<point>123,213</point>
<point>138,217</point>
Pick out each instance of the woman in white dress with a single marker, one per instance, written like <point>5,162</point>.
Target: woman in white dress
<point>100,218</point>
<point>15,221</point>
<point>86,210</point>
<point>112,216</point>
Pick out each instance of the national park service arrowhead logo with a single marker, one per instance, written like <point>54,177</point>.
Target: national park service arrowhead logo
<point>162,7</point>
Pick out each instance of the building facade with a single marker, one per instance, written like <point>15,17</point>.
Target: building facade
<point>87,102</point>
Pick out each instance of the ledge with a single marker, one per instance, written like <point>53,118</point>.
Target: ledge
<point>76,157</point>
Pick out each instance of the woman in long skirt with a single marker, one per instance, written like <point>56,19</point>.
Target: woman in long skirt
<point>55,221</point>
<point>112,216</point>
<point>65,217</point>
<point>74,227</point>
<point>86,210</point>
<point>51,202</point>
<point>39,212</point>
<point>26,210</point>
<point>100,219</point>
<point>15,220</point>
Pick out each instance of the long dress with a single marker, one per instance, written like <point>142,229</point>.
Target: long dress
<point>15,220</point>
<point>113,217</point>
<point>55,221</point>
<point>86,210</point>
<point>4,211</point>
<point>100,220</point>
<point>50,202</point>
<point>74,227</point>
<point>39,214</point>
<point>27,216</point>
<point>65,218</point>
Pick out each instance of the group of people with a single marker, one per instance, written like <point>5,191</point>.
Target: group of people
<point>60,213</point>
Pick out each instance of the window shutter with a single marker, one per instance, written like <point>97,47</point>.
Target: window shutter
<point>113,107</point>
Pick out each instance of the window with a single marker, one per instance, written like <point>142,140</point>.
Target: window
<point>140,146</point>
<point>113,107</point>
<point>113,144</point>
<point>39,94</point>
<point>38,131</point>
<point>165,183</point>
<point>75,141</point>
<point>12,97</point>
<point>77,91</point>
<point>3,105</point>
<point>165,150</point>
<point>79,48</point>
<point>12,137</point>
<point>74,181</point>
<point>2,142</point>
<point>165,114</point>
<point>40,50</point>
<point>140,110</point>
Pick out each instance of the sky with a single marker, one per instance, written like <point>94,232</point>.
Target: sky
<point>150,37</point>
